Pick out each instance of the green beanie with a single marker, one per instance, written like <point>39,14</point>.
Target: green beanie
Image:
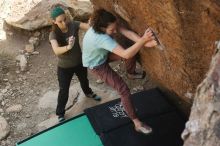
<point>56,12</point>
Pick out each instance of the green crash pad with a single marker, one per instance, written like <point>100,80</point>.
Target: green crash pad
<point>73,132</point>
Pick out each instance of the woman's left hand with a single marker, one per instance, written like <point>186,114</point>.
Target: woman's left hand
<point>148,35</point>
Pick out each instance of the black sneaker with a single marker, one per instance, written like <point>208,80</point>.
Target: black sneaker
<point>94,96</point>
<point>61,118</point>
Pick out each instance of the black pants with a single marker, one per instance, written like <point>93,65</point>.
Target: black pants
<point>64,78</point>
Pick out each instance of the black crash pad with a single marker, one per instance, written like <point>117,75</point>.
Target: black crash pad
<point>110,115</point>
<point>167,130</point>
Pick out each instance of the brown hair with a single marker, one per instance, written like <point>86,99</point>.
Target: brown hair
<point>101,19</point>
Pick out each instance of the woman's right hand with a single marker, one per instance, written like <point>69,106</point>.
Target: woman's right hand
<point>71,41</point>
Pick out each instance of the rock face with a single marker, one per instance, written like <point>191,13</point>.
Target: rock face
<point>187,29</point>
<point>203,127</point>
<point>35,14</point>
<point>80,10</point>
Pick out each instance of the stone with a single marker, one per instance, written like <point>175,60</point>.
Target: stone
<point>189,95</point>
<point>29,48</point>
<point>34,41</point>
<point>27,54</point>
<point>8,86</point>
<point>5,80</point>
<point>37,93</point>
<point>1,96</point>
<point>4,90</point>
<point>27,116</point>
<point>14,109</point>
<point>3,103</point>
<point>35,53</point>
<point>99,81</point>
<point>140,88</point>
<point>21,126</point>
<point>37,34</point>
<point>23,63</point>
<point>4,128</point>
<point>21,52</point>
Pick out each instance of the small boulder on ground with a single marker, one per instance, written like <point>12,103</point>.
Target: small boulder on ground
<point>14,109</point>
<point>4,128</point>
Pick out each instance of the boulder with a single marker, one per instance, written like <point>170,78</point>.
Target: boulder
<point>80,10</point>
<point>35,14</point>
<point>31,15</point>
<point>203,127</point>
<point>188,31</point>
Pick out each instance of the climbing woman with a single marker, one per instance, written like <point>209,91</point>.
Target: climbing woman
<point>99,48</point>
<point>65,43</point>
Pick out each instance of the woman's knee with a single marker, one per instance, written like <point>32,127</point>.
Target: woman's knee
<point>124,90</point>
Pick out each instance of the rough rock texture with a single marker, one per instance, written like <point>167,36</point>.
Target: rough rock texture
<point>80,10</point>
<point>203,127</point>
<point>28,15</point>
<point>35,14</point>
<point>188,30</point>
